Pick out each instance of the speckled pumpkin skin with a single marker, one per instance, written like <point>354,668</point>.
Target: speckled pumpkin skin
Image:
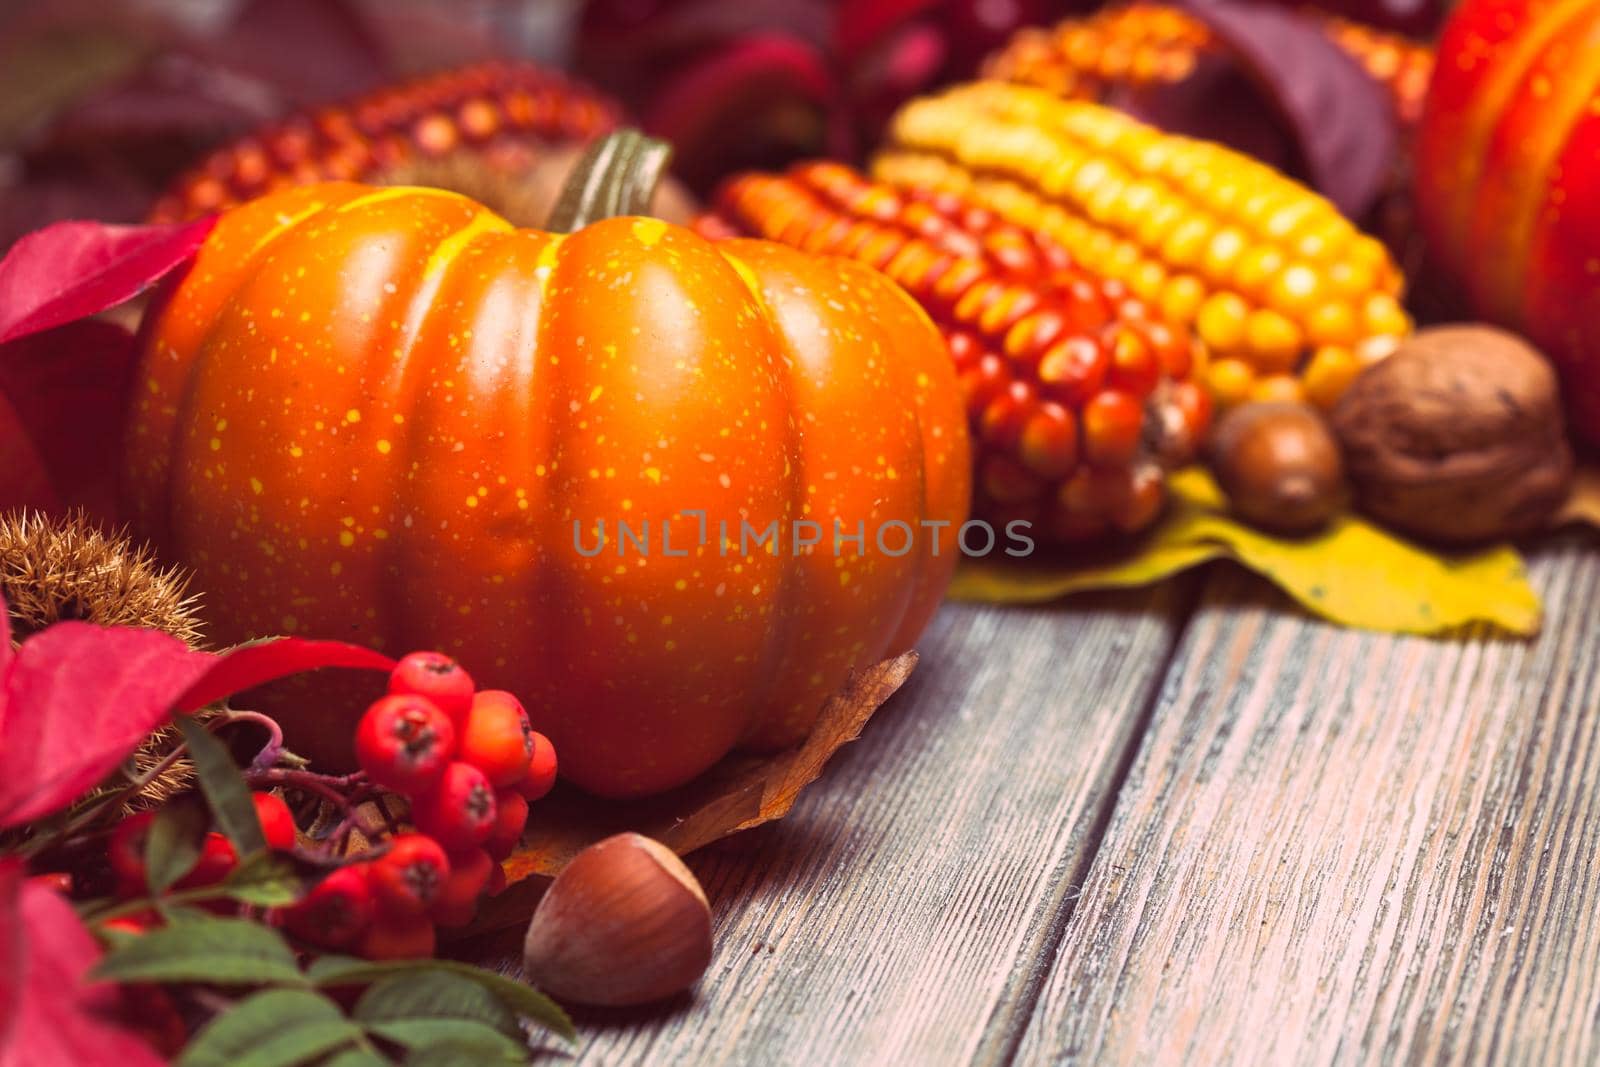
<point>1508,164</point>
<point>376,414</point>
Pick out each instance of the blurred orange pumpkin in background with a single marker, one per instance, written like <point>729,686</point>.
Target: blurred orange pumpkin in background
<point>388,415</point>
<point>1507,168</point>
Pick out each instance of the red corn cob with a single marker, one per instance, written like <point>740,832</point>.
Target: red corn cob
<point>1077,395</point>
<point>494,107</point>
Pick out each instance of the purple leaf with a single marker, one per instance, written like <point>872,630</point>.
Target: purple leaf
<point>312,51</point>
<point>62,398</point>
<point>72,270</point>
<point>1341,120</point>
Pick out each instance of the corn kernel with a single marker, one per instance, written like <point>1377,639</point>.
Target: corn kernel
<point>1382,314</point>
<point>1221,322</point>
<point>1230,381</point>
<point>1147,279</point>
<point>1333,323</point>
<point>1278,389</point>
<point>1295,290</point>
<point>1181,298</point>
<point>1329,374</point>
<point>1257,267</point>
<point>1273,340</point>
<point>1227,245</point>
<point>1187,242</point>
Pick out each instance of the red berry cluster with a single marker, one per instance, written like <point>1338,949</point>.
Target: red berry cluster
<point>469,763</point>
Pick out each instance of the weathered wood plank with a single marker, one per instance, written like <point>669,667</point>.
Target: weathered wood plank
<point>896,915</point>
<point>1342,847</point>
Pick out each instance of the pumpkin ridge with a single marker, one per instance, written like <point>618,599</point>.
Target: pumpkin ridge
<point>1568,98</point>
<point>253,260</point>
<point>780,634</point>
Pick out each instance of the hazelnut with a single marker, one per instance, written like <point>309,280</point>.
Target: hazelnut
<point>1457,437</point>
<point>1279,465</point>
<point>624,923</point>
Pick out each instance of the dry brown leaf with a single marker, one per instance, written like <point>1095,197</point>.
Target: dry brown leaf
<point>1584,503</point>
<point>740,792</point>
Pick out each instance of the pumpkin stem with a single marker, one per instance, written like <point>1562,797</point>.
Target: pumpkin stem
<point>616,175</point>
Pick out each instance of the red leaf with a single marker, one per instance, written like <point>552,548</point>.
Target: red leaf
<point>1341,119</point>
<point>48,1014</point>
<point>78,699</point>
<point>251,665</point>
<point>62,397</point>
<point>71,270</point>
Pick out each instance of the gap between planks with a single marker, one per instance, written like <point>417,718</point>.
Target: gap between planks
<point>1343,847</point>
<point>906,911</point>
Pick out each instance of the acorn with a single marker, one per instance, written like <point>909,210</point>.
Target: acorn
<point>1280,466</point>
<point>624,923</point>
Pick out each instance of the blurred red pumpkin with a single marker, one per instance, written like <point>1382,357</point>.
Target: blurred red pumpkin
<point>1508,164</point>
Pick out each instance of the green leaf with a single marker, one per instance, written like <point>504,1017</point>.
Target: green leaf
<point>218,951</point>
<point>358,1057</point>
<point>224,787</point>
<point>172,846</point>
<point>435,994</point>
<point>424,1033</point>
<point>460,1054</point>
<point>266,879</point>
<point>1351,573</point>
<point>276,1028</point>
<point>522,999</point>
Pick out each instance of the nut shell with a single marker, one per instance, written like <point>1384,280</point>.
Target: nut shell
<point>1458,437</point>
<point>624,923</point>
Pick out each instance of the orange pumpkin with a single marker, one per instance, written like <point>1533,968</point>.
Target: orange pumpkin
<point>1508,162</point>
<point>388,415</point>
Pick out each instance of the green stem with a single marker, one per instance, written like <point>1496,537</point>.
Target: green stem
<point>87,816</point>
<point>197,895</point>
<point>616,175</point>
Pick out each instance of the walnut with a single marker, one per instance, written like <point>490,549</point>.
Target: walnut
<point>1457,437</point>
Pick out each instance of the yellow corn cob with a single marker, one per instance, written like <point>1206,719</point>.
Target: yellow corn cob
<point>1289,297</point>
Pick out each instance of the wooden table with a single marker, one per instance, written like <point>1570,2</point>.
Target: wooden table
<point>1188,825</point>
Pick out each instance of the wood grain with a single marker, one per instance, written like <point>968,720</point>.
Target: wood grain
<point>897,915</point>
<point>1339,847</point>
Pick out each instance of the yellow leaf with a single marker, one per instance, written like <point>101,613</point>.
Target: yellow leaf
<point>1584,503</point>
<point>1352,573</point>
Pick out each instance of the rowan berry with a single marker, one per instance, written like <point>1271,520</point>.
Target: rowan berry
<point>408,878</point>
<point>131,924</point>
<point>217,861</point>
<point>498,739</point>
<point>511,816</point>
<point>440,679</point>
<point>277,822</point>
<point>469,877</point>
<point>398,939</point>
<point>541,776</point>
<point>460,811</point>
<point>403,742</point>
<point>126,852</point>
<point>337,910</point>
